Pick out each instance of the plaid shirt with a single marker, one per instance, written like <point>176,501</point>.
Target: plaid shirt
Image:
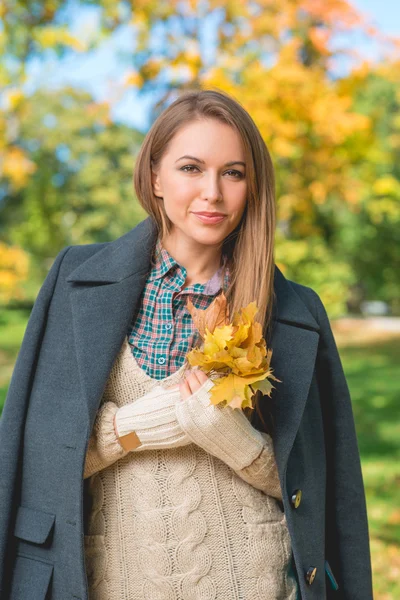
<point>162,331</point>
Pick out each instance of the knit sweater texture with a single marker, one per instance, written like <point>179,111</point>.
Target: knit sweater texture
<point>179,524</point>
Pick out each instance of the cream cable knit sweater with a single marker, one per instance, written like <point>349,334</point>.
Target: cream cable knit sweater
<point>178,523</point>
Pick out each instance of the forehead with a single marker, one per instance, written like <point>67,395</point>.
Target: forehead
<point>207,139</point>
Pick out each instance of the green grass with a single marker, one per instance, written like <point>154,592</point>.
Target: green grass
<point>371,371</point>
<point>372,374</point>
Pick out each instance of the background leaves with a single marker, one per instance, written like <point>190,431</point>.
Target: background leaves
<point>66,164</point>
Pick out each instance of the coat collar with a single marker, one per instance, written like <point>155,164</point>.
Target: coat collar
<point>129,255</point>
<point>105,291</point>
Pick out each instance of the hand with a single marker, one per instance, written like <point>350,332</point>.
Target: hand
<point>152,418</point>
<point>192,382</point>
<point>220,430</point>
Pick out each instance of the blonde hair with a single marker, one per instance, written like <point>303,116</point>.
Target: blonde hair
<point>250,247</point>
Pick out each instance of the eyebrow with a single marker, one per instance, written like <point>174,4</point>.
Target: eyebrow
<point>228,164</point>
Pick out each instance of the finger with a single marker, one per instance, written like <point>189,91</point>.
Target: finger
<point>194,380</point>
<point>185,390</point>
<point>200,375</point>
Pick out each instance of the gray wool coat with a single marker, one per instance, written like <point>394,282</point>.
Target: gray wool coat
<point>74,333</point>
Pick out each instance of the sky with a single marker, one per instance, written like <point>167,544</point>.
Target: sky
<point>97,72</point>
<point>385,13</point>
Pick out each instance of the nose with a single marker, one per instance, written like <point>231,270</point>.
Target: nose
<point>211,190</point>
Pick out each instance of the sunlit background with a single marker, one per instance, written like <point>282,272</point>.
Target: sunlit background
<point>81,83</point>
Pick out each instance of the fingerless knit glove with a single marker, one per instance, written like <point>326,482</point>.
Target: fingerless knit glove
<point>220,430</point>
<point>152,417</point>
<point>103,447</point>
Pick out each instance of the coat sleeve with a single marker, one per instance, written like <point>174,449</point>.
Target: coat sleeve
<point>347,535</point>
<point>14,412</point>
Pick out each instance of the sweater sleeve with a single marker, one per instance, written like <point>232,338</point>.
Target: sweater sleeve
<point>103,448</point>
<point>262,473</point>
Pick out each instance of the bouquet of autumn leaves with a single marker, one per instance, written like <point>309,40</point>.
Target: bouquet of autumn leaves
<point>235,352</point>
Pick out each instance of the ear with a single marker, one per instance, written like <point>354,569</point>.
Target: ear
<point>155,180</point>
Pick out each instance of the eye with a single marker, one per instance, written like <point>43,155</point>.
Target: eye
<point>237,174</point>
<point>188,167</point>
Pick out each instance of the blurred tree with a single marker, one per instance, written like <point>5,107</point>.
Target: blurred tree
<point>81,190</point>
<point>276,58</point>
<point>369,233</point>
<point>28,29</point>
<point>14,266</point>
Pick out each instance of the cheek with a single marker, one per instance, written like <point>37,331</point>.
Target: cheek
<point>180,193</point>
<point>237,192</point>
<point>176,202</point>
<point>238,201</point>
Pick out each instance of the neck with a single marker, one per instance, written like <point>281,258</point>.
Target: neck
<point>200,262</point>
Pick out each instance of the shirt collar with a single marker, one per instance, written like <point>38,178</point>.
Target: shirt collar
<point>164,263</point>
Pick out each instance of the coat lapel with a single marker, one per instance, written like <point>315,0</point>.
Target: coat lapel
<point>294,344</point>
<point>106,290</point>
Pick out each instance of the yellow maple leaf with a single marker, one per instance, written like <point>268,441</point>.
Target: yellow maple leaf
<point>236,351</point>
<point>234,390</point>
<point>219,338</point>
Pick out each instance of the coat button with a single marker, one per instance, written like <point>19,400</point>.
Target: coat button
<point>310,575</point>
<point>296,498</point>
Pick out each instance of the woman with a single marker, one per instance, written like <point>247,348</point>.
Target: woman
<point>117,484</point>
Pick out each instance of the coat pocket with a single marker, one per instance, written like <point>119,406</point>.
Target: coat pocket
<point>331,577</point>
<point>31,579</point>
<point>33,525</point>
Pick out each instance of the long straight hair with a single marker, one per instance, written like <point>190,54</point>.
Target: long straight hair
<point>250,247</point>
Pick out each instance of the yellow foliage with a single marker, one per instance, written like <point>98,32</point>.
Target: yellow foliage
<point>101,111</point>
<point>51,36</point>
<point>14,268</point>
<point>236,350</point>
<point>318,191</point>
<point>387,185</point>
<point>320,39</point>
<point>16,166</point>
<point>307,121</point>
<point>14,98</point>
<point>152,68</point>
<point>133,79</point>
<point>387,206</point>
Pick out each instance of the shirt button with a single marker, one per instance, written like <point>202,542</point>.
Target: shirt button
<point>161,360</point>
<point>168,326</point>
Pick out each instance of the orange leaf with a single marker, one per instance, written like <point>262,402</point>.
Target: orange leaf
<point>215,315</point>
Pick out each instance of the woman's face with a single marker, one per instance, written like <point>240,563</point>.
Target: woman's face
<point>212,179</point>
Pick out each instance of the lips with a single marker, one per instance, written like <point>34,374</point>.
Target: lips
<point>207,214</point>
<point>210,219</point>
